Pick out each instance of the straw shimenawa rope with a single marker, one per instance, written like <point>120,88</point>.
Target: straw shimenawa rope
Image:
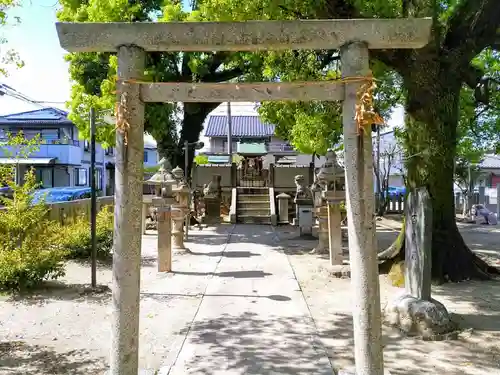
<point>365,113</point>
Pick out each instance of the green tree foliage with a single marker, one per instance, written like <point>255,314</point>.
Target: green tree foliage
<point>429,84</point>
<point>8,57</point>
<point>94,74</point>
<point>77,238</point>
<point>31,248</point>
<point>201,159</point>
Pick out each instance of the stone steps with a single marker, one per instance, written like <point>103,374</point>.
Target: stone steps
<point>253,206</point>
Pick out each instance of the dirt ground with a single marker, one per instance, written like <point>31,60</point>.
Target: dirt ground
<point>474,305</point>
<point>64,330</point>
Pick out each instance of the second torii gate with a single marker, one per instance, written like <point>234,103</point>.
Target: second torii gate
<point>133,40</point>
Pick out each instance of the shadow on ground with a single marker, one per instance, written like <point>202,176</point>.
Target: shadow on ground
<point>247,344</point>
<point>404,355</point>
<point>61,291</point>
<point>19,358</point>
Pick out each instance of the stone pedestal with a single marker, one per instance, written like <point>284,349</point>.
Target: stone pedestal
<point>335,234</point>
<point>283,217</point>
<point>178,227</point>
<point>212,210</point>
<point>323,245</point>
<point>415,312</point>
<point>164,225</point>
<point>304,217</point>
<point>182,197</point>
<point>334,199</point>
<point>144,214</point>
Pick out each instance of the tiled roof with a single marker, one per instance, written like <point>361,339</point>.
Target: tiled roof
<point>44,116</point>
<point>491,161</point>
<point>242,126</point>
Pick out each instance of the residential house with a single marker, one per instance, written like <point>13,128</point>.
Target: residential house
<point>62,159</point>
<point>251,136</point>
<point>391,158</point>
<point>489,167</point>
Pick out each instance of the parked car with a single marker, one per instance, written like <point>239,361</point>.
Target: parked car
<point>394,192</point>
<point>61,194</point>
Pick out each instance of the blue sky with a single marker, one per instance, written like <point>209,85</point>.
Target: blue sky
<point>45,74</point>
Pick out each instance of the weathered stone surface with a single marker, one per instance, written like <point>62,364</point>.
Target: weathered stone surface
<point>353,372</point>
<point>283,208</point>
<point>358,162</point>
<point>128,215</point>
<point>212,211</point>
<point>418,244</point>
<point>416,317</point>
<point>240,92</point>
<point>341,271</point>
<point>244,36</point>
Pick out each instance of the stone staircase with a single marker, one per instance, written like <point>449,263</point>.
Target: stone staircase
<point>253,205</point>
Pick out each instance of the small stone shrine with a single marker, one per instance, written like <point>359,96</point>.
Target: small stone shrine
<point>415,312</point>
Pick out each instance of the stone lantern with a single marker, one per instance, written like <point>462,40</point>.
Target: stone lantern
<point>163,182</point>
<point>332,178</point>
<point>180,209</point>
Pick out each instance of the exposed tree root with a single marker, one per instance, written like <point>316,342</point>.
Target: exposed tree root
<point>452,259</point>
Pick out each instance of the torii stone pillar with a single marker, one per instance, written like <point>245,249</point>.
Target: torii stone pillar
<point>360,217</point>
<point>128,215</point>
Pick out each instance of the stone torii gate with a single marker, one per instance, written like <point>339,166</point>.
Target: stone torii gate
<point>132,41</point>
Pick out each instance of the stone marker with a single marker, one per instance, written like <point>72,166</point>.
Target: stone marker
<point>414,311</point>
<point>283,208</point>
<point>418,240</point>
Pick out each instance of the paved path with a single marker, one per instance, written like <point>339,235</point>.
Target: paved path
<point>252,317</point>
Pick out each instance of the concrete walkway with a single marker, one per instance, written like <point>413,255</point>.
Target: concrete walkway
<point>252,317</point>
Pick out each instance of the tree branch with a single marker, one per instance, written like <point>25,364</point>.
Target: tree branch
<point>225,75</point>
<point>472,27</point>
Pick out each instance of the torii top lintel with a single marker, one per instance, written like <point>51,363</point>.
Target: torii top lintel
<point>245,36</point>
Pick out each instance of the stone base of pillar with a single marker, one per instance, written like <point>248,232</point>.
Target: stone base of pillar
<point>415,317</point>
<point>335,234</point>
<point>212,211</point>
<point>353,372</point>
<point>178,234</point>
<point>323,244</point>
<point>139,372</point>
<point>341,271</point>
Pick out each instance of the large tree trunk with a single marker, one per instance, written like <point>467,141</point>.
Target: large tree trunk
<point>431,136</point>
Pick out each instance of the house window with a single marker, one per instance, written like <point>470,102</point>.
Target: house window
<point>86,146</point>
<point>109,151</point>
<point>44,177</point>
<point>98,178</point>
<point>145,156</point>
<point>81,177</point>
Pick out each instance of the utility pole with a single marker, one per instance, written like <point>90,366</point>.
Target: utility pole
<point>93,200</point>
<point>378,170</point>
<point>188,181</point>
<point>229,132</point>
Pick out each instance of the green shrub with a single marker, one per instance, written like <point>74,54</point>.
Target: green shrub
<point>77,238</point>
<point>31,249</point>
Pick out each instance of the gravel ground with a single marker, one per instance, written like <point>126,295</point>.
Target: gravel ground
<point>63,329</point>
<point>474,305</point>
